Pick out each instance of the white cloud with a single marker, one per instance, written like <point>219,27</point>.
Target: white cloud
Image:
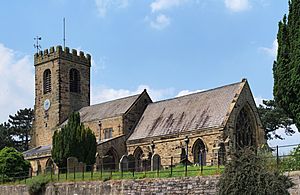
<point>102,93</point>
<point>16,81</point>
<point>272,51</point>
<point>161,21</point>
<point>259,100</point>
<point>104,5</point>
<point>237,5</point>
<point>159,5</point>
<point>187,92</point>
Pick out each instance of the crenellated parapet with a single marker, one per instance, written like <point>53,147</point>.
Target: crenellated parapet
<point>59,52</point>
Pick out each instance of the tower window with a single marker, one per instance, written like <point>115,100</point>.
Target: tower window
<point>47,81</point>
<point>74,81</point>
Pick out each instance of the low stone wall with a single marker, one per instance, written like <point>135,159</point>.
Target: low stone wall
<point>13,190</point>
<point>186,185</point>
<point>190,185</point>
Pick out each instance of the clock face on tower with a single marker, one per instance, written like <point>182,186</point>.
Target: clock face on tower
<point>47,104</point>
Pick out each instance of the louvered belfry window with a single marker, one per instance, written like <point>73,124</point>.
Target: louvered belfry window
<point>47,81</point>
<point>74,81</point>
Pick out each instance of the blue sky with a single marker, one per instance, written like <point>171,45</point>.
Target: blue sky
<point>170,47</point>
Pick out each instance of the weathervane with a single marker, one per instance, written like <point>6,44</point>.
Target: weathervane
<point>37,45</point>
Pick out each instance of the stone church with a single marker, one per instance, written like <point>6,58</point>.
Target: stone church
<point>210,124</point>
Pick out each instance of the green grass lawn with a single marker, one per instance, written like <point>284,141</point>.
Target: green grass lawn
<point>178,171</point>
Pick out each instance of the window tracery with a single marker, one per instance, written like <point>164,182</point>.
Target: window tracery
<point>244,130</point>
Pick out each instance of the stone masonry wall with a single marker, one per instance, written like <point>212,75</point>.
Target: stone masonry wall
<point>173,146</point>
<point>186,185</point>
<point>116,123</point>
<point>243,98</point>
<point>62,101</point>
<point>132,116</point>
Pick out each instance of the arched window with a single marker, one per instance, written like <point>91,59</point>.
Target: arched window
<point>39,167</point>
<point>74,81</point>
<point>244,129</point>
<point>199,152</point>
<point>47,81</point>
<point>138,155</point>
<point>49,166</point>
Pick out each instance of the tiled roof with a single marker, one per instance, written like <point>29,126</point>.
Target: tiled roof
<point>38,151</point>
<point>187,113</point>
<point>107,109</point>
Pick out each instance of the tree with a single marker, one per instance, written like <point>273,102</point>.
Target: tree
<point>273,118</point>
<point>286,68</point>
<point>246,173</point>
<point>5,136</point>
<point>73,140</point>
<point>20,127</point>
<point>13,164</point>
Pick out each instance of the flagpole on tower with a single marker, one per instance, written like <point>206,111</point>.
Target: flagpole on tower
<point>64,32</point>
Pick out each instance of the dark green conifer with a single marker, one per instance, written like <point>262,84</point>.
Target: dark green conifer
<point>74,140</point>
<point>286,68</point>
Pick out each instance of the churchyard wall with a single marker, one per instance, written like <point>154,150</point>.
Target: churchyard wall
<point>183,185</point>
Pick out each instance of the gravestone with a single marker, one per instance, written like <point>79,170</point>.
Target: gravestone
<point>72,164</point>
<point>155,162</point>
<point>131,162</point>
<point>123,164</point>
<point>80,167</point>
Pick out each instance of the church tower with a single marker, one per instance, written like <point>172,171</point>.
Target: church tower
<point>62,86</point>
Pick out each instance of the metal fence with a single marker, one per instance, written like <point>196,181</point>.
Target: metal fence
<point>152,168</point>
<point>284,158</point>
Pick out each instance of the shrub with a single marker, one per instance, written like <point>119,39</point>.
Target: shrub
<point>37,185</point>
<point>246,174</point>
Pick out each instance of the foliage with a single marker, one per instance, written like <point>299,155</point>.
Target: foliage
<point>20,127</point>
<point>246,174</point>
<point>286,68</point>
<point>37,184</point>
<point>268,159</point>
<point>73,140</point>
<point>292,162</point>
<point>5,136</point>
<point>13,164</point>
<point>273,118</point>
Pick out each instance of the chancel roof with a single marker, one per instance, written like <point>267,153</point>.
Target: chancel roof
<point>107,109</point>
<point>196,111</point>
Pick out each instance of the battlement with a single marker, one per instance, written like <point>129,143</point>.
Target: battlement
<point>59,52</point>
